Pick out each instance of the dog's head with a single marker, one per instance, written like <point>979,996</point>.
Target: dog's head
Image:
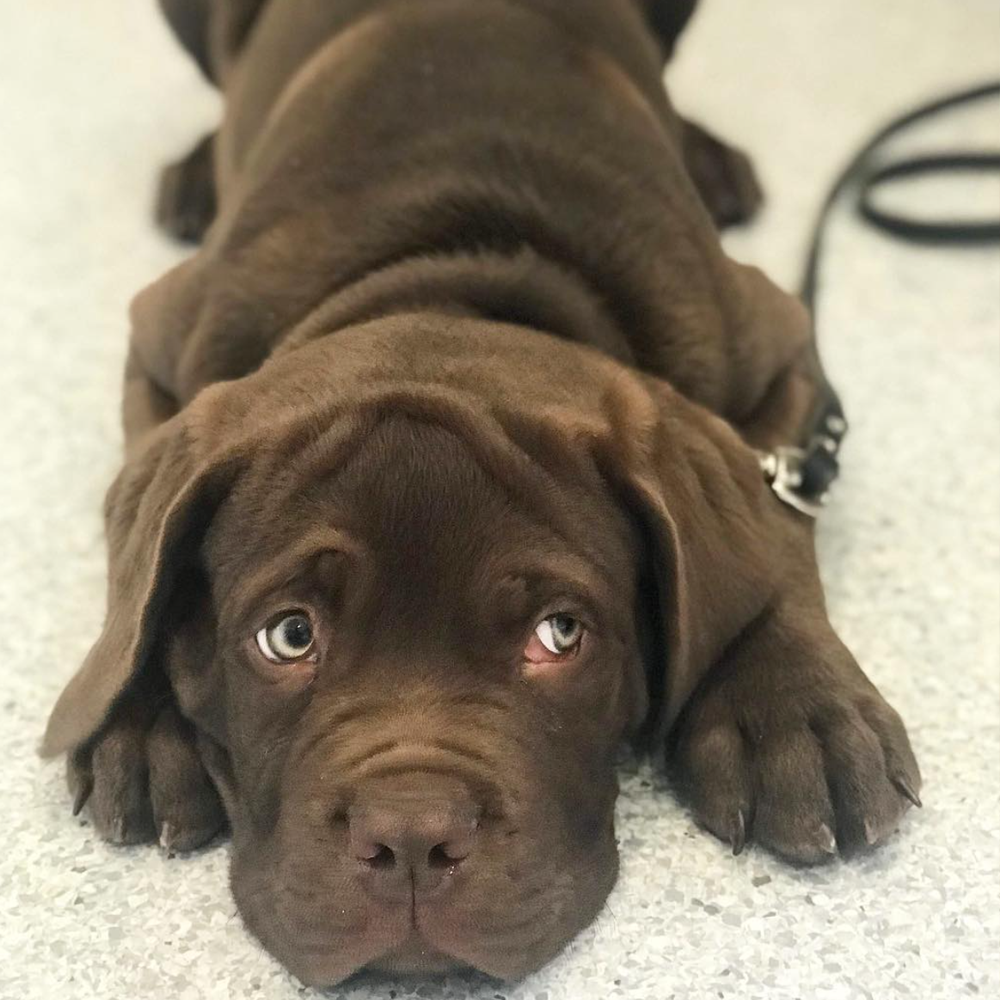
<point>413,584</point>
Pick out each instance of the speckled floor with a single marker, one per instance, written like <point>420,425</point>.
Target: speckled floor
<point>94,97</point>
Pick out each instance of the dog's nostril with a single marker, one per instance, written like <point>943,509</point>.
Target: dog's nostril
<point>380,856</point>
<point>441,856</point>
<point>409,832</point>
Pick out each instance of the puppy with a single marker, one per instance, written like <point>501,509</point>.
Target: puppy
<point>442,480</point>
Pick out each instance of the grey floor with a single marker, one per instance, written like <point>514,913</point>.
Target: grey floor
<point>94,97</point>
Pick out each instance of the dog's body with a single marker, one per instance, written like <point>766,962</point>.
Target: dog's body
<point>526,166</point>
<point>460,358</point>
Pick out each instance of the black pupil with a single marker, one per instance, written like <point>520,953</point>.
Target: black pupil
<point>297,632</point>
<point>564,629</point>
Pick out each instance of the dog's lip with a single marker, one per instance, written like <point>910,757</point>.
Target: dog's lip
<point>440,947</point>
<point>414,954</point>
<point>405,948</point>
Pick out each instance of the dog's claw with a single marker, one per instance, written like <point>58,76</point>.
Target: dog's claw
<point>907,791</point>
<point>738,833</point>
<point>82,794</point>
<point>827,841</point>
<point>871,833</point>
<point>166,837</point>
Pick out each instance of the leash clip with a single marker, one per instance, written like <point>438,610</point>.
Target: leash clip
<point>802,477</point>
<point>782,469</point>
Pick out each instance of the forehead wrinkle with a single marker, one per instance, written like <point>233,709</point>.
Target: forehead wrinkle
<point>285,568</point>
<point>567,573</point>
<point>531,489</point>
<point>281,471</point>
<point>540,495</point>
<point>535,491</point>
<point>564,527</point>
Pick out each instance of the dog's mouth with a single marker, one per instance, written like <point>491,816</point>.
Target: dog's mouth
<point>436,944</point>
<point>415,955</point>
<point>413,875</point>
<point>390,941</point>
<point>328,929</point>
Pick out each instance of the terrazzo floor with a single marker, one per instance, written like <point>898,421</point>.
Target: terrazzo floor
<point>95,97</point>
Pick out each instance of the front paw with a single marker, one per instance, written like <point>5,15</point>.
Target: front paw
<point>185,200</point>
<point>805,760</point>
<point>724,176</point>
<point>142,780</point>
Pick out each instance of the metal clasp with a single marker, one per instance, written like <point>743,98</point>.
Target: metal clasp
<point>782,469</point>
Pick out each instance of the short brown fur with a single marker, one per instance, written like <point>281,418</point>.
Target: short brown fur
<point>460,349</point>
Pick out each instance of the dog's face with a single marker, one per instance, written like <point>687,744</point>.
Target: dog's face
<point>412,585</point>
<point>419,674</point>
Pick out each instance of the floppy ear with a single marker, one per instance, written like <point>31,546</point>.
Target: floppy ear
<point>154,511</point>
<point>721,542</point>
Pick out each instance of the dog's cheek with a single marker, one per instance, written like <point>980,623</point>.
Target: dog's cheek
<point>600,704</point>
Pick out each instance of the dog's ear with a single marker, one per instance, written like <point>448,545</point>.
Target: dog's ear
<point>155,512</point>
<point>724,549</point>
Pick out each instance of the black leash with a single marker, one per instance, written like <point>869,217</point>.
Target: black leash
<point>801,475</point>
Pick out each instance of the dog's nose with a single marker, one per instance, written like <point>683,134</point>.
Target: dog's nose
<point>412,836</point>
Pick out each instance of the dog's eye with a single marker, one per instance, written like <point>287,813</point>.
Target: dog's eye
<point>288,639</point>
<point>559,633</point>
<point>555,637</point>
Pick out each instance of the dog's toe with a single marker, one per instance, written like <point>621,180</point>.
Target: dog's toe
<point>815,774</point>
<point>119,802</point>
<point>142,781</point>
<point>186,807</point>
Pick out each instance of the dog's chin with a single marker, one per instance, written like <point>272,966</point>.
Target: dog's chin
<point>324,928</point>
<point>415,957</point>
<point>395,951</point>
<point>390,945</point>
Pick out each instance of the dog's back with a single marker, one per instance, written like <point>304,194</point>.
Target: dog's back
<point>521,155</point>
<point>457,41</point>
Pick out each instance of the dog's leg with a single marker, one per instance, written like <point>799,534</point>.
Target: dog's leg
<point>185,203</point>
<point>189,21</point>
<point>787,742</point>
<point>668,18</point>
<point>212,31</point>
<point>723,175</point>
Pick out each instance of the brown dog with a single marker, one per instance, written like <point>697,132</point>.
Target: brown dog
<point>440,482</point>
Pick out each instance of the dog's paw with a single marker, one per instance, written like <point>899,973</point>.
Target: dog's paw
<point>804,769</point>
<point>185,199</point>
<point>142,780</point>
<point>724,176</point>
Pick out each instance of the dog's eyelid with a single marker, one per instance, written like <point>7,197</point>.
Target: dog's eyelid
<point>277,593</point>
<point>554,592</point>
<point>252,614</point>
<point>305,569</point>
<point>585,610</point>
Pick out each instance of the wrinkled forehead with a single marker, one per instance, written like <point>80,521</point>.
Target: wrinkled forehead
<point>418,503</point>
